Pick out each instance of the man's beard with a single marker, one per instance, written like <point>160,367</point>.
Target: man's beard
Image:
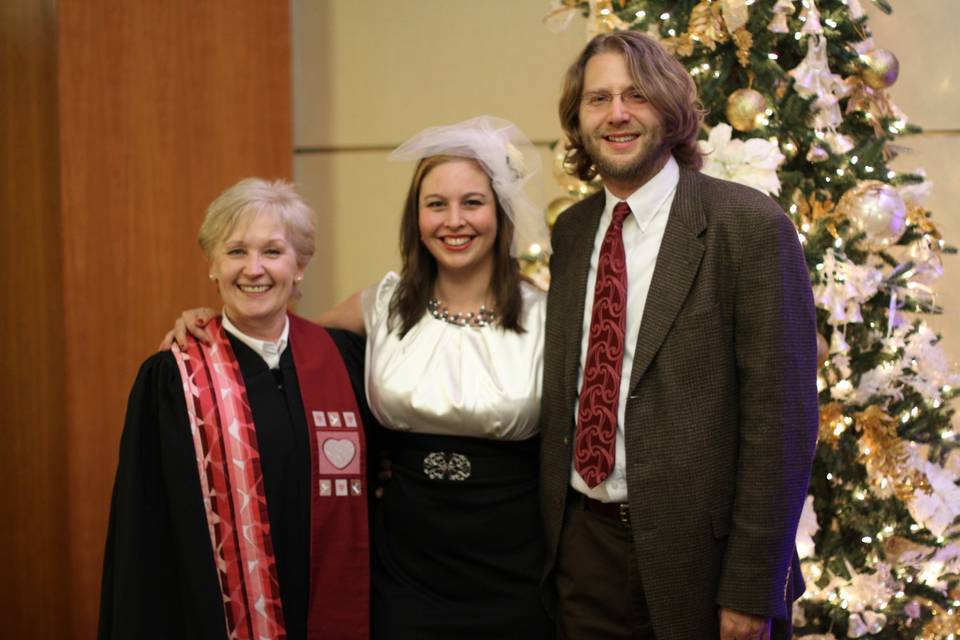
<point>637,168</point>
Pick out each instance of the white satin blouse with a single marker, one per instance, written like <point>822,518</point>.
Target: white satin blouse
<point>448,380</point>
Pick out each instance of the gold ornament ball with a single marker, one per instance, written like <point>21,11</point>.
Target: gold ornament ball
<point>556,207</point>
<point>876,209</point>
<point>744,108</point>
<point>789,148</point>
<point>880,68</point>
<point>823,349</point>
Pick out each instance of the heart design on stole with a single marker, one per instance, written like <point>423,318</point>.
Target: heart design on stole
<point>339,452</point>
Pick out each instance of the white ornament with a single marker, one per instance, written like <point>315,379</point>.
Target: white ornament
<point>856,10</point>
<point>867,590</point>
<point>876,209</point>
<point>928,365</point>
<point>735,13</point>
<point>855,626</point>
<point>882,381</point>
<point>916,194</point>
<point>839,143</point>
<point>936,510</point>
<point>811,18</point>
<point>859,625</point>
<point>753,162</point>
<point>927,268</point>
<point>813,79</point>
<point>843,287</point>
<point>806,529</point>
<point>781,10</point>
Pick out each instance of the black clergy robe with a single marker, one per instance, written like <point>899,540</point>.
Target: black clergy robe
<point>159,579</point>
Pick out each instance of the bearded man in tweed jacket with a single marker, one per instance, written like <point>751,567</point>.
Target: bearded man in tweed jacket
<point>688,532</point>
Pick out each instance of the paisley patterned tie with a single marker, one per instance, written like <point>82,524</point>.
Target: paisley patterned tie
<point>600,394</point>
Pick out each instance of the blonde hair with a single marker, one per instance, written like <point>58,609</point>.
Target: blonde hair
<point>251,196</point>
<point>659,77</point>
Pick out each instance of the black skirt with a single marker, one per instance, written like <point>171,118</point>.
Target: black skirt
<point>458,544</point>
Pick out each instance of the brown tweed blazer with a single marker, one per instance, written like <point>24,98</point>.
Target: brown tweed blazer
<point>722,415</point>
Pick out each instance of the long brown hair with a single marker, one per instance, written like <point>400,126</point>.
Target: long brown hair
<point>419,273</point>
<point>662,80</point>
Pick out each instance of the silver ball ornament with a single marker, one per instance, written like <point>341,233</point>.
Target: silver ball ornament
<point>876,209</point>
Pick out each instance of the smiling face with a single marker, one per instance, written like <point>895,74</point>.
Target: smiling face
<point>621,132</point>
<point>255,267</point>
<point>458,217</point>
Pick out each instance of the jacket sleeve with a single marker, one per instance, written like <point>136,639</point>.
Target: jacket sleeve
<point>139,595</point>
<point>775,343</point>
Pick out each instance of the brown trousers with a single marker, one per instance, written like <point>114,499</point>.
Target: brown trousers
<point>599,587</point>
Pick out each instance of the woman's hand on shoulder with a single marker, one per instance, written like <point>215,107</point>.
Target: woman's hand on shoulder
<point>192,321</point>
<point>346,315</point>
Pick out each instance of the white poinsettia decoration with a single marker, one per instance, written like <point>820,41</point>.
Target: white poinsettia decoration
<point>936,510</point>
<point>807,528</point>
<point>867,591</point>
<point>882,381</point>
<point>752,162</point>
<point>930,369</point>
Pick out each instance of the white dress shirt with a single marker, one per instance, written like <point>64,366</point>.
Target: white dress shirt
<point>269,351</point>
<point>642,233</point>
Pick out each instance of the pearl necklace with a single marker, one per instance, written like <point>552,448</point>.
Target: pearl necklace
<point>481,318</point>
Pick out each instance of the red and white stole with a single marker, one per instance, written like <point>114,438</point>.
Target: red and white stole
<point>231,479</point>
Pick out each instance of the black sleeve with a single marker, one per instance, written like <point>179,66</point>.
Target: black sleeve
<point>139,596</point>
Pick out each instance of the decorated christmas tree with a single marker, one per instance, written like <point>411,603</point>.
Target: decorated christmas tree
<point>797,102</point>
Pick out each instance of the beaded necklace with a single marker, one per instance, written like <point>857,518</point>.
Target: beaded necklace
<point>480,318</point>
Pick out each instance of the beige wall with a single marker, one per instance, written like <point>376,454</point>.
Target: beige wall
<point>923,36</point>
<point>365,79</point>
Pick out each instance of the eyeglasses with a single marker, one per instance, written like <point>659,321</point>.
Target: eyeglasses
<point>603,99</point>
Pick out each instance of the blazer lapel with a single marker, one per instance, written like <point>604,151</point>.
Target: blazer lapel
<point>586,230</point>
<point>677,264</point>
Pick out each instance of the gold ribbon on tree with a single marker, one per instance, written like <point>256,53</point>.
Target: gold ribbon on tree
<point>832,424</point>
<point>886,456</point>
<point>814,211</point>
<point>712,23</point>
<point>874,103</point>
<point>918,217</point>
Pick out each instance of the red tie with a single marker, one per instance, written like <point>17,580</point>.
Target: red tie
<point>600,394</point>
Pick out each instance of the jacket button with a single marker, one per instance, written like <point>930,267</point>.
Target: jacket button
<point>566,440</point>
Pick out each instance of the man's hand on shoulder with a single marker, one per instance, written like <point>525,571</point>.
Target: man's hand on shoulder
<point>735,625</point>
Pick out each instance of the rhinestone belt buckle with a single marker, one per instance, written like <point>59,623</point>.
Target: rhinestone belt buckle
<point>441,465</point>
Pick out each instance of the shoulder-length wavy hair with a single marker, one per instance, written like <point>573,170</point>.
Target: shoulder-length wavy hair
<point>662,80</point>
<point>419,272</point>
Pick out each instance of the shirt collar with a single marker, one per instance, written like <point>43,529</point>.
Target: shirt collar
<point>646,202</point>
<point>269,351</point>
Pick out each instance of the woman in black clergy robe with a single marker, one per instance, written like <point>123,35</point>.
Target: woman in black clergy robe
<point>240,502</point>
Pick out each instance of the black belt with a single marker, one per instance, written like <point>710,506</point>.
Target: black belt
<point>619,511</point>
<point>459,459</point>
